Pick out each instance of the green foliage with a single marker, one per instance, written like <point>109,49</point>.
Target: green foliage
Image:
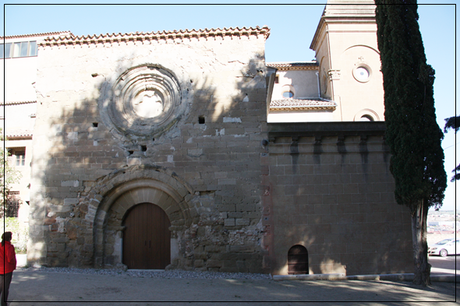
<point>20,233</point>
<point>453,123</point>
<point>8,175</point>
<point>414,138</point>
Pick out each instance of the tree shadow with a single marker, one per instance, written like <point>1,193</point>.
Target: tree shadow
<point>334,202</point>
<point>210,143</point>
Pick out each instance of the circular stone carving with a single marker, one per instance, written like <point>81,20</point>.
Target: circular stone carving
<point>148,104</point>
<point>143,101</point>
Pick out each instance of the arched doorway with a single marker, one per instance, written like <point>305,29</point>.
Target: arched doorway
<point>146,238</point>
<point>115,194</point>
<point>298,260</point>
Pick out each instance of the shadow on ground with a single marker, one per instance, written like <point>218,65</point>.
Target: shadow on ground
<point>35,287</point>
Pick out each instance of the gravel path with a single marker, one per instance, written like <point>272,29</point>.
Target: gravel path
<point>166,274</point>
<point>75,287</point>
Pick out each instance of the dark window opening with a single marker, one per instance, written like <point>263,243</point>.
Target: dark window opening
<point>19,49</point>
<point>366,118</point>
<point>95,124</point>
<point>17,156</point>
<point>12,205</point>
<point>143,148</point>
<point>201,120</point>
<point>298,260</point>
<point>130,152</point>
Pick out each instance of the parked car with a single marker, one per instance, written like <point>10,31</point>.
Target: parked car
<point>445,247</point>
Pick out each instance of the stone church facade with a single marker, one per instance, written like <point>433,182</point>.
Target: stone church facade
<point>153,150</point>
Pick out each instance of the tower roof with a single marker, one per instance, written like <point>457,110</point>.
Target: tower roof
<point>349,8</point>
<point>344,11</point>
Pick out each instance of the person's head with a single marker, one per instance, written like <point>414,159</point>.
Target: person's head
<point>6,237</point>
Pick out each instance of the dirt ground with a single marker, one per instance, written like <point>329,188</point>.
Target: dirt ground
<point>33,287</point>
<point>52,288</point>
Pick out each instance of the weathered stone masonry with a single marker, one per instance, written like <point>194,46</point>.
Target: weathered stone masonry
<point>331,191</point>
<point>96,154</point>
<point>179,120</point>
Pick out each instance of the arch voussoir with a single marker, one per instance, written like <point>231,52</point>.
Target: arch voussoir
<point>122,190</point>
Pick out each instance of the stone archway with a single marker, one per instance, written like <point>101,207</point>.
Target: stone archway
<point>124,189</point>
<point>137,192</point>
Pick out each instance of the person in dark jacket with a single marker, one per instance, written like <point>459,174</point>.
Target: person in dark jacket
<point>7,265</point>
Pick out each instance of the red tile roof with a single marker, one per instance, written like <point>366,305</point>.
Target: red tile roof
<point>19,136</point>
<point>66,33</point>
<point>18,103</point>
<point>160,35</point>
<point>290,104</point>
<point>294,65</point>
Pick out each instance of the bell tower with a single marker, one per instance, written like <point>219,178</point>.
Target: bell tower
<point>345,43</point>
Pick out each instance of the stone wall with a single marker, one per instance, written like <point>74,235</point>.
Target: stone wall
<point>200,163</point>
<point>330,190</point>
<point>238,193</point>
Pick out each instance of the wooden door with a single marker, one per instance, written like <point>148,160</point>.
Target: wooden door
<point>146,239</point>
<point>298,260</point>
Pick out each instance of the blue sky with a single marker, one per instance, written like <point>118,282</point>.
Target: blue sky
<point>292,28</point>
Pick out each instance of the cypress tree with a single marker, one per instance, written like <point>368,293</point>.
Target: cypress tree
<point>414,137</point>
<point>453,123</point>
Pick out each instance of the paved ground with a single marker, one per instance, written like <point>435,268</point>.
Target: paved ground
<point>444,265</point>
<point>32,287</point>
<point>45,288</point>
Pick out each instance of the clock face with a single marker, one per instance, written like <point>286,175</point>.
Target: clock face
<point>361,74</point>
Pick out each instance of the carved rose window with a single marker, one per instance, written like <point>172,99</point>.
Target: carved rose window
<point>141,102</point>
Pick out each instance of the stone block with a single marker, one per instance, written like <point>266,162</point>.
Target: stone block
<point>241,266</point>
<point>246,248</point>
<point>229,222</point>
<point>213,248</point>
<point>242,221</point>
<point>70,201</point>
<point>226,181</point>
<point>212,263</point>
<point>72,183</point>
<point>226,207</point>
<point>235,214</point>
<point>220,175</point>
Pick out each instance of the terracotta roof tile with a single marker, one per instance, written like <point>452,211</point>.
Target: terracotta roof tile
<point>18,103</point>
<point>302,104</point>
<point>294,65</point>
<point>160,35</point>
<point>19,136</point>
<point>66,33</point>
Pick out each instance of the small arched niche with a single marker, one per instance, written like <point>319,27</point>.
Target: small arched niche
<point>298,260</point>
